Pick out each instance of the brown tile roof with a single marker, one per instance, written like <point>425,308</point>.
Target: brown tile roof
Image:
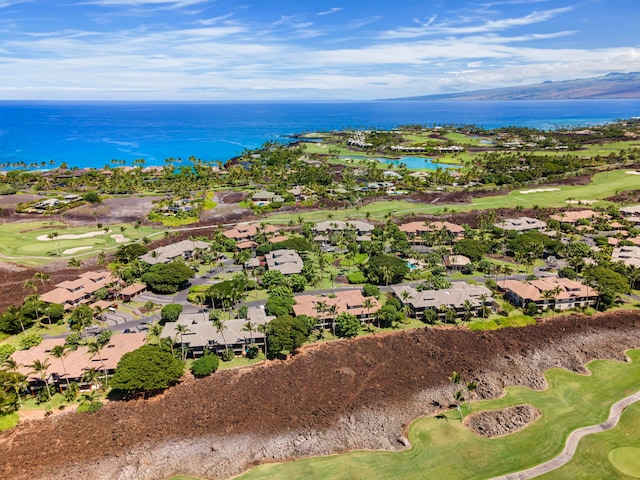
<point>349,301</point>
<point>421,227</point>
<point>573,216</point>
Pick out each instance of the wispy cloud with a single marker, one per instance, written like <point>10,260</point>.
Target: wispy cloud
<point>431,27</point>
<point>137,3</point>
<point>330,11</point>
<point>10,3</point>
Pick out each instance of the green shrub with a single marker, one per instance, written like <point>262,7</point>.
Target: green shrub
<point>30,340</point>
<point>90,407</point>
<point>356,277</point>
<point>252,352</point>
<point>205,366</point>
<point>369,290</point>
<point>6,351</point>
<point>228,355</point>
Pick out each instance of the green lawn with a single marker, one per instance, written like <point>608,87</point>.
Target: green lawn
<point>447,449</point>
<point>598,453</point>
<point>20,241</point>
<point>603,185</point>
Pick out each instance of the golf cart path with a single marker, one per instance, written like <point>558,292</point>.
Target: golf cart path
<point>572,442</point>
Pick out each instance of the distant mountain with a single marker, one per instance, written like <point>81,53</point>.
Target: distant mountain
<point>613,85</point>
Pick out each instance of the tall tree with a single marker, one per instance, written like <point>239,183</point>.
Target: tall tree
<point>41,368</point>
<point>60,351</point>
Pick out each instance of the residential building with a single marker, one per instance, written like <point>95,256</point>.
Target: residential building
<point>325,229</point>
<point>521,224</point>
<point>440,301</point>
<point>345,301</point>
<point>415,230</point>
<point>201,335</point>
<point>248,231</point>
<point>630,256</point>
<point>455,262</point>
<point>286,261</point>
<point>76,362</point>
<point>264,197</point>
<point>184,250</point>
<point>72,293</point>
<point>550,292</point>
<point>573,216</point>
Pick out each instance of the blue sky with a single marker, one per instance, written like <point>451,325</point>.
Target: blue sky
<point>297,50</point>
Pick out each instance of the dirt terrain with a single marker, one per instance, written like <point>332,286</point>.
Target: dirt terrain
<point>494,423</point>
<point>341,395</point>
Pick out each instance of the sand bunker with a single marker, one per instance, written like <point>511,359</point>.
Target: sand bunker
<point>581,202</point>
<point>70,236</point>
<point>495,423</point>
<point>119,238</point>
<point>539,190</point>
<point>633,173</point>
<point>75,250</point>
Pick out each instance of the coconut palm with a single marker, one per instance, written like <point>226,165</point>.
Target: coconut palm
<point>60,351</point>
<point>249,327</point>
<point>155,330</point>
<point>181,329</point>
<point>219,325</point>
<point>368,304</point>
<point>95,348</point>
<point>40,367</point>
<point>43,277</point>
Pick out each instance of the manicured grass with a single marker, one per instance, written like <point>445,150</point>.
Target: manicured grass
<point>8,421</point>
<point>607,454</point>
<point>447,449</point>
<point>20,240</point>
<point>55,329</point>
<point>603,184</point>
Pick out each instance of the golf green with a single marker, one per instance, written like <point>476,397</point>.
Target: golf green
<point>626,460</point>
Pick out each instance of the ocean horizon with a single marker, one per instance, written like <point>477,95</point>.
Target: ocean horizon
<point>93,134</point>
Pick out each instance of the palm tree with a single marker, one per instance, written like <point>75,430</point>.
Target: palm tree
<point>468,310</point>
<point>43,277</point>
<point>249,327</point>
<point>483,300</point>
<point>29,284</point>
<point>405,295</point>
<point>320,307</point>
<point>17,381</point>
<point>263,328</point>
<point>60,351</point>
<point>91,376</point>
<point>368,304</point>
<point>181,329</point>
<point>74,262</point>
<point>95,348</point>
<point>155,330</point>
<point>387,274</point>
<point>41,367</point>
<point>471,387</point>
<point>332,310</point>
<point>219,325</point>
<point>54,236</point>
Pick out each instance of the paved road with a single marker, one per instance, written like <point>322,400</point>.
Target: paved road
<point>572,442</point>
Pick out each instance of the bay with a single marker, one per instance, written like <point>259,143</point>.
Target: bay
<point>92,134</point>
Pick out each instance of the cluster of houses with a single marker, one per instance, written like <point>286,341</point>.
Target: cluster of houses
<point>75,364</point>
<point>197,334</point>
<point>50,204</point>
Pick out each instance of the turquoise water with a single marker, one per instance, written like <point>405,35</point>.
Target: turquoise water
<point>92,134</point>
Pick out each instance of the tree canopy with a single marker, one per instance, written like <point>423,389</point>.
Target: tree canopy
<point>168,277</point>
<point>385,269</point>
<point>286,334</point>
<point>146,369</point>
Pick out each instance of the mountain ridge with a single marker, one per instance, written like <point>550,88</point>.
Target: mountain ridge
<point>611,86</point>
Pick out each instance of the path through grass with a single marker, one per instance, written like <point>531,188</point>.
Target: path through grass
<point>447,449</point>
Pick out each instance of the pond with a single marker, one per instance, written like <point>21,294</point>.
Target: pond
<point>412,163</point>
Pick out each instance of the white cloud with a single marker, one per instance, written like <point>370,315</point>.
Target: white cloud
<point>10,3</point>
<point>330,11</point>
<point>449,28</point>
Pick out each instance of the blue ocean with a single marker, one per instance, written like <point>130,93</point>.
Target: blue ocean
<point>92,134</point>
